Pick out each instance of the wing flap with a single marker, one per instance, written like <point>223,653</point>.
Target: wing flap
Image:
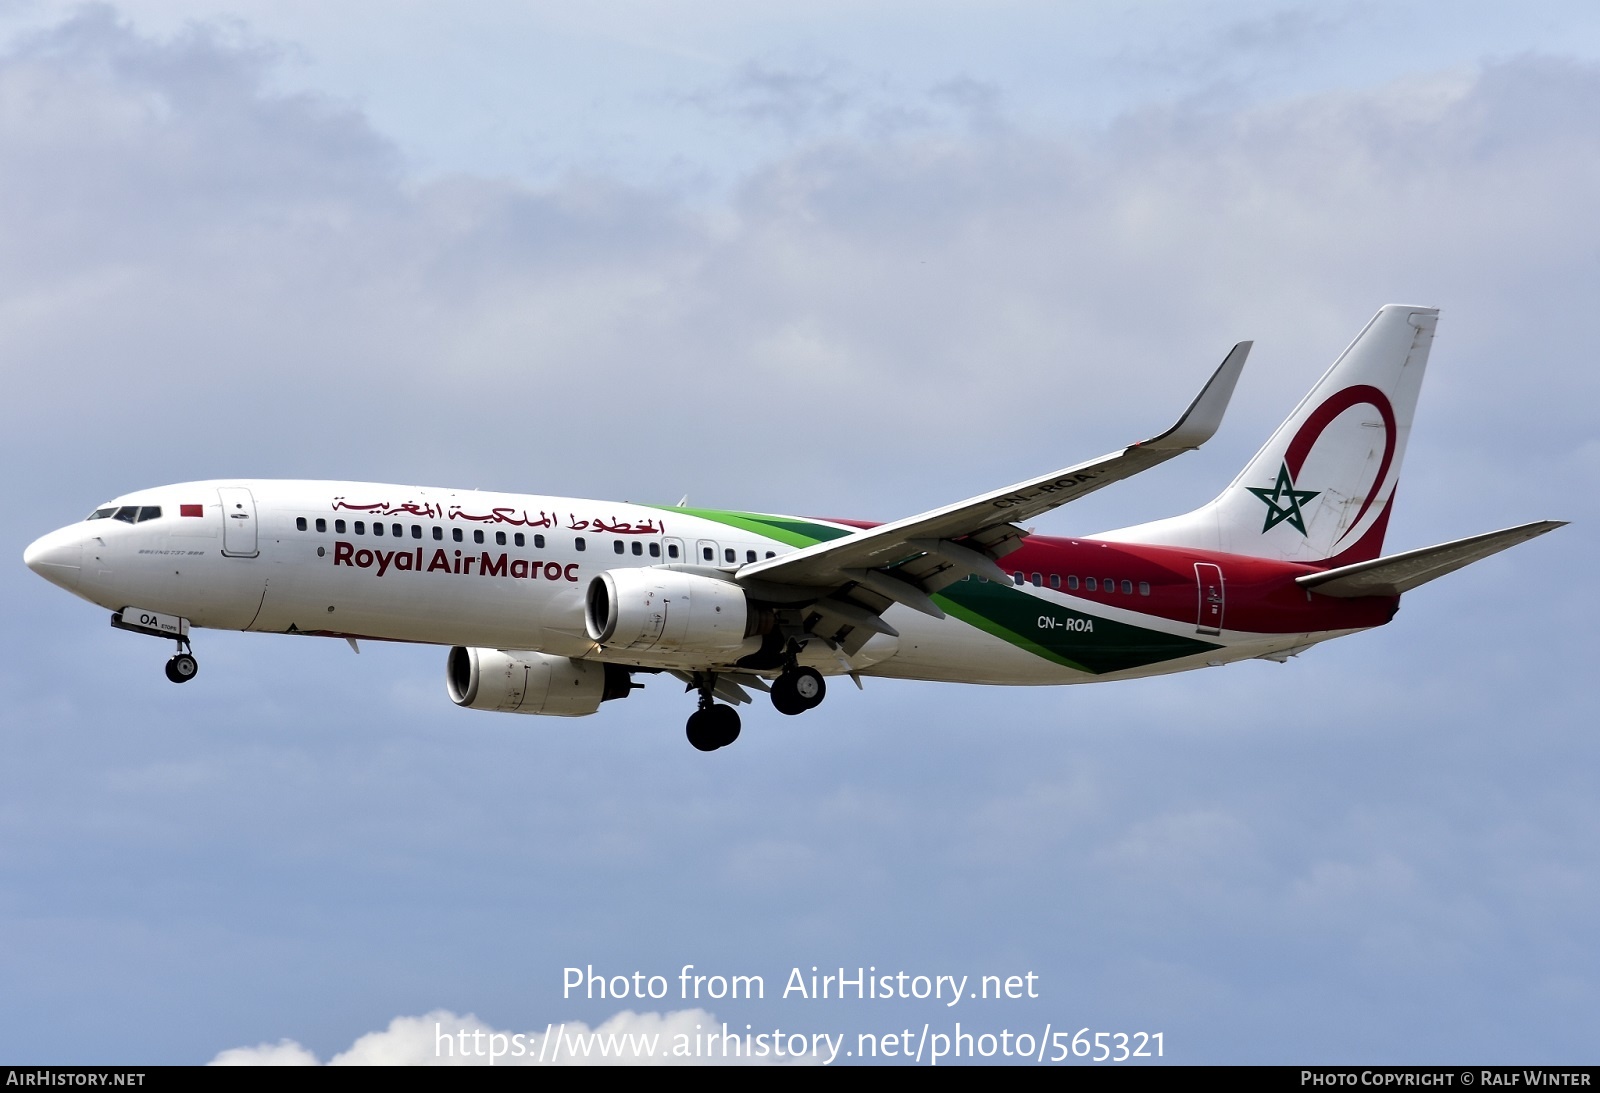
<point>1399,573</point>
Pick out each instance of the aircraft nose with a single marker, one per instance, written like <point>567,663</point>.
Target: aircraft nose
<point>57,557</point>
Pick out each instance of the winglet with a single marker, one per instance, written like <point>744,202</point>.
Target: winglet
<point>1200,421</point>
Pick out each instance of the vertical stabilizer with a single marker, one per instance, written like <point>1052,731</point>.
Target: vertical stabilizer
<point>1320,489</point>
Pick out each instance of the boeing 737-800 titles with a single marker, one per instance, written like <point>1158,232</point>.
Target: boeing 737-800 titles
<point>554,605</point>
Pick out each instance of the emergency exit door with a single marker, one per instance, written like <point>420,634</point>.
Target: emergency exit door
<point>1208,578</point>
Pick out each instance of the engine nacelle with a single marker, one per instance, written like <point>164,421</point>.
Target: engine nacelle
<point>528,682</point>
<point>668,611</point>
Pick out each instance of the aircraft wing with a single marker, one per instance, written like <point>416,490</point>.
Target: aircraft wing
<point>904,560</point>
<point>1402,572</point>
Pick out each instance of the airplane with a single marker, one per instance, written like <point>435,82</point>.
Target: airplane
<point>552,605</point>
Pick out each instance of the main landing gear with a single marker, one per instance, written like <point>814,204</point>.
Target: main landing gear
<point>711,726</point>
<point>714,726</point>
<point>798,690</point>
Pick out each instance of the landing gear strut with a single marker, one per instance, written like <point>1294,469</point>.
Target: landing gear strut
<point>711,726</point>
<point>798,690</point>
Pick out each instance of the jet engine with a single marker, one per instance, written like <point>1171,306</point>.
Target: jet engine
<point>668,611</point>
<point>515,681</point>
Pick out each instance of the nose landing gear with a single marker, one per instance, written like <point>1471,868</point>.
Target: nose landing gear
<point>182,667</point>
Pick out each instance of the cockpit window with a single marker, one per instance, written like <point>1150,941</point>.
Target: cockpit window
<point>128,514</point>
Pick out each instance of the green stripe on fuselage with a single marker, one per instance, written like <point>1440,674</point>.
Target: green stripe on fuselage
<point>785,529</point>
<point>1073,639</point>
<point>1083,642</point>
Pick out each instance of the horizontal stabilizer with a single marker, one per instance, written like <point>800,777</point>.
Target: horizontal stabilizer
<point>1402,572</point>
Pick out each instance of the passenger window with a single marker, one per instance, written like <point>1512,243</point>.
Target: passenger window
<point>1109,584</point>
<point>149,512</point>
<point>727,554</point>
<point>619,546</point>
<point>1089,585</point>
<point>1144,588</point>
<point>300,523</point>
<point>1016,578</point>
<point>322,525</point>
<point>377,528</point>
<point>438,534</point>
<point>416,531</point>
<point>672,550</point>
<point>1072,582</point>
<point>538,541</point>
<point>655,550</point>
<point>338,527</point>
<point>396,530</point>
<point>499,538</point>
<point>771,555</point>
<point>579,544</point>
<point>1038,581</point>
<point>361,527</point>
<point>455,533</point>
<point>1055,580</point>
<point>638,547</point>
<point>710,557</point>
<point>477,535</point>
<point>1127,588</point>
<point>519,539</point>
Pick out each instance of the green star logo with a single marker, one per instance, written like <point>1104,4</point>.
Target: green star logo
<point>1283,502</point>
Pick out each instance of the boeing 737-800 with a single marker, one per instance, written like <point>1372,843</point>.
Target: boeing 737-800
<point>554,605</point>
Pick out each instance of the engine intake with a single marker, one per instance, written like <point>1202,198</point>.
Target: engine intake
<point>515,681</point>
<point>668,611</point>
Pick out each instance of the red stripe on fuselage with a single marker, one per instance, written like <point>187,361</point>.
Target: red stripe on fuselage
<point>1260,594</point>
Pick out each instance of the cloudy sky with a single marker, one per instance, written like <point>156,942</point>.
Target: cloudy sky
<point>825,258</point>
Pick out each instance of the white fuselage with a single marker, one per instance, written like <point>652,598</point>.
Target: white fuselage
<point>500,571</point>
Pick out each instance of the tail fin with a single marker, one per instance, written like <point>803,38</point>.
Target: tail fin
<point>1321,488</point>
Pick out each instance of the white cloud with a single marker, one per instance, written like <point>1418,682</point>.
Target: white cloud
<point>282,1053</point>
<point>681,1037</point>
